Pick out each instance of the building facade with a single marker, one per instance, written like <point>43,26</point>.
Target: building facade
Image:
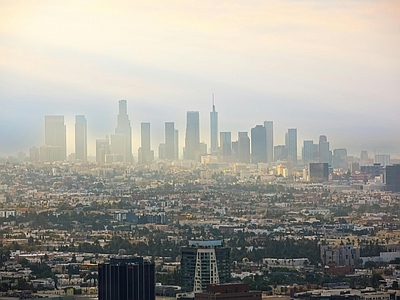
<point>55,136</point>
<point>81,138</point>
<point>126,279</point>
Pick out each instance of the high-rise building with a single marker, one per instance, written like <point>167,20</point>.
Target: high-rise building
<point>192,138</point>
<point>324,152</point>
<point>34,154</point>
<point>146,155</point>
<point>269,129</point>
<point>382,159</point>
<point>55,135</point>
<point>170,141</point>
<point>243,148</point>
<point>226,144</point>
<point>392,178</point>
<point>318,172</point>
<point>258,144</point>
<point>80,138</point>
<point>124,139</point>
<point>339,158</point>
<point>214,130</point>
<point>126,279</point>
<point>203,263</point>
<point>280,153</point>
<point>308,154</point>
<point>291,146</point>
<point>364,160</point>
<point>102,149</point>
<point>176,144</point>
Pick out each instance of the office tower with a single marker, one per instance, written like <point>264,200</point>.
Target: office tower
<point>80,138</point>
<point>308,152</point>
<point>126,279</point>
<point>102,149</point>
<point>392,178</point>
<point>237,291</point>
<point>291,146</point>
<point>258,144</point>
<point>203,263</point>
<point>214,130</point>
<point>243,148</point>
<point>123,135</point>
<point>21,156</point>
<point>364,160</point>
<point>176,151</point>
<point>34,154</point>
<point>226,144</point>
<point>146,155</point>
<point>382,159</point>
<point>339,158</point>
<point>324,152</point>
<point>192,138</point>
<point>280,153</point>
<point>50,153</point>
<point>269,129</point>
<point>353,167</point>
<point>161,151</point>
<point>55,136</point>
<point>170,141</point>
<point>318,172</point>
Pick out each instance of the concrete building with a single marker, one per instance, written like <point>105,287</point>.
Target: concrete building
<point>55,136</point>
<point>81,138</point>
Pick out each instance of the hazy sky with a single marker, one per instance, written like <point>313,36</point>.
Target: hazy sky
<point>324,67</point>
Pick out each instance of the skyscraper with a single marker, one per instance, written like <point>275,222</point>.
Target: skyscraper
<point>243,148</point>
<point>80,138</point>
<point>226,144</point>
<point>308,152</point>
<point>102,149</point>
<point>269,129</point>
<point>124,141</point>
<point>192,138</point>
<point>170,140</point>
<point>324,152</point>
<point>126,279</point>
<point>258,144</point>
<point>291,146</point>
<point>214,130</point>
<point>146,155</point>
<point>203,263</point>
<point>55,135</point>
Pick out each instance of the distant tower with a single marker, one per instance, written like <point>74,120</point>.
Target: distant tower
<point>192,138</point>
<point>269,128</point>
<point>146,155</point>
<point>258,145</point>
<point>243,148</point>
<point>226,144</point>
<point>291,146</point>
<point>81,138</point>
<point>213,130</point>
<point>55,136</point>
<point>123,134</point>
<point>308,152</point>
<point>170,140</point>
<point>324,152</point>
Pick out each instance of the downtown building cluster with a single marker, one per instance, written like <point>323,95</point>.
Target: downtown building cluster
<point>256,148</point>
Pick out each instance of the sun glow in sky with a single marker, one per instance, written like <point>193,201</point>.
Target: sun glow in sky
<point>324,67</point>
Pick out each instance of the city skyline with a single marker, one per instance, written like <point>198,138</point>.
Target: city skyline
<point>323,67</point>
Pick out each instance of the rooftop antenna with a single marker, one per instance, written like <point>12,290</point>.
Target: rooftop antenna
<point>213,102</point>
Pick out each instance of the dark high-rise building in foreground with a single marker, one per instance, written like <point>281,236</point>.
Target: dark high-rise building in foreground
<point>192,138</point>
<point>203,263</point>
<point>392,178</point>
<point>126,279</point>
<point>80,138</point>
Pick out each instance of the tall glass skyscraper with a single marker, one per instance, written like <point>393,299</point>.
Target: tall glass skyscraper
<point>192,138</point>
<point>80,138</point>
<point>258,145</point>
<point>291,146</point>
<point>170,141</point>
<point>124,147</point>
<point>214,130</point>
<point>55,136</point>
<point>269,130</point>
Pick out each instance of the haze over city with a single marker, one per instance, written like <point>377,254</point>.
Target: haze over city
<point>327,68</point>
